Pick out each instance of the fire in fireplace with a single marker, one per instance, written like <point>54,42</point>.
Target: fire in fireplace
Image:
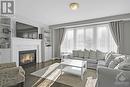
<point>27,57</point>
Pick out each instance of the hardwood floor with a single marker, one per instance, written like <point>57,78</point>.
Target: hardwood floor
<point>30,80</point>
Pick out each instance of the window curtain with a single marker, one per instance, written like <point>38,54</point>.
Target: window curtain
<point>59,35</point>
<point>116,28</point>
<point>97,37</point>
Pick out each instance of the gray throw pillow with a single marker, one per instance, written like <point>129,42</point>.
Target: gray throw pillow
<point>92,54</point>
<point>81,54</point>
<point>75,53</point>
<point>116,61</point>
<point>100,55</point>
<point>86,53</point>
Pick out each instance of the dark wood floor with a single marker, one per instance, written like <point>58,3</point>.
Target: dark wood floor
<point>30,80</point>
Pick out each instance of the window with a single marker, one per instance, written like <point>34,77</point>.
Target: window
<point>90,37</point>
<point>79,38</point>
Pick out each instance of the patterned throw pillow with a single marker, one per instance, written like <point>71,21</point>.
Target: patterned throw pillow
<point>116,61</point>
<point>108,60</point>
<point>107,55</point>
<point>123,66</point>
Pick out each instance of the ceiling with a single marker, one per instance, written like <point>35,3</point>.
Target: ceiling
<point>52,12</point>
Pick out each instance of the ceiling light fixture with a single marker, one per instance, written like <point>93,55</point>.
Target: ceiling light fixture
<point>74,6</point>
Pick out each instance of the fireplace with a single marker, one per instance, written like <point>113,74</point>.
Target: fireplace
<point>27,57</point>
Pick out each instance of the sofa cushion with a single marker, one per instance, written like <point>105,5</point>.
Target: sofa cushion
<point>78,58</point>
<point>75,53</point>
<point>81,54</point>
<point>86,53</point>
<point>92,54</point>
<point>116,61</point>
<point>92,61</point>
<point>100,55</point>
<point>108,60</point>
<point>101,63</point>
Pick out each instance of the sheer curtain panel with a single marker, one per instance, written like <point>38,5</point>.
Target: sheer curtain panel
<point>89,37</point>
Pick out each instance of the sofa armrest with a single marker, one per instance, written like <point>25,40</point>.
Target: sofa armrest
<point>13,70</point>
<point>7,65</point>
<point>108,77</point>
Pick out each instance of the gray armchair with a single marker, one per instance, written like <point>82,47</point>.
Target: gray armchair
<point>11,75</point>
<point>112,77</point>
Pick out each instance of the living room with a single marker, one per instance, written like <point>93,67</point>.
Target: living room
<point>64,43</point>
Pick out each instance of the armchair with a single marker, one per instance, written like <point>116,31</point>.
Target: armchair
<point>108,77</point>
<point>11,75</point>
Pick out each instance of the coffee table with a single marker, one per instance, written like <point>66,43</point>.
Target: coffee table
<point>73,66</point>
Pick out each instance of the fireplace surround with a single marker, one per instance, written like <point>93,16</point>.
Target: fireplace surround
<point>27,57</point>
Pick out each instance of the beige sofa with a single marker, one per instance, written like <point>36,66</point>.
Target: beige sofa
<point>11,75</point>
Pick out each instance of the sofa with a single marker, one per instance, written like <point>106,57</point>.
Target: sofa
<point>11,75</point>
<point>114,74</point>
<point>91,56</point>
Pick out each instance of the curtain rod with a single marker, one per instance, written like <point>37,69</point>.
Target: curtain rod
<point>90,24</point>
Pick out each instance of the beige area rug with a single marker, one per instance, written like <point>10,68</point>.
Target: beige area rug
<point>65,78</point>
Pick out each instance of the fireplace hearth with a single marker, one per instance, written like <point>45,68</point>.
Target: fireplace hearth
<point>27,57</point>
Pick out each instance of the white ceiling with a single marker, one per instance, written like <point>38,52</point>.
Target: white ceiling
<point>52,12</point>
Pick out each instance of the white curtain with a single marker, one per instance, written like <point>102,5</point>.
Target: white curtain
<point>89,37</point>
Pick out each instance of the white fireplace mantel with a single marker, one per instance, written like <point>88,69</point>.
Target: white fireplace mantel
<point>21,44</point>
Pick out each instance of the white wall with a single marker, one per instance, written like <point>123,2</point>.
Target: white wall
<point>5,55</point>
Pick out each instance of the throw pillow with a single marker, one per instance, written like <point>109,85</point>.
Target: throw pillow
<point>86,53</point>
<point>116,61</point>
<point>92,54</point>
<point>75,53</point>
<point>124,66</point>
<point>81,54</point>
<point>107,55</point>
<point>108,60</point>
<point>100,55</point>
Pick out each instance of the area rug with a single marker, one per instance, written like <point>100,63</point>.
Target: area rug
<point>53,74</point>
